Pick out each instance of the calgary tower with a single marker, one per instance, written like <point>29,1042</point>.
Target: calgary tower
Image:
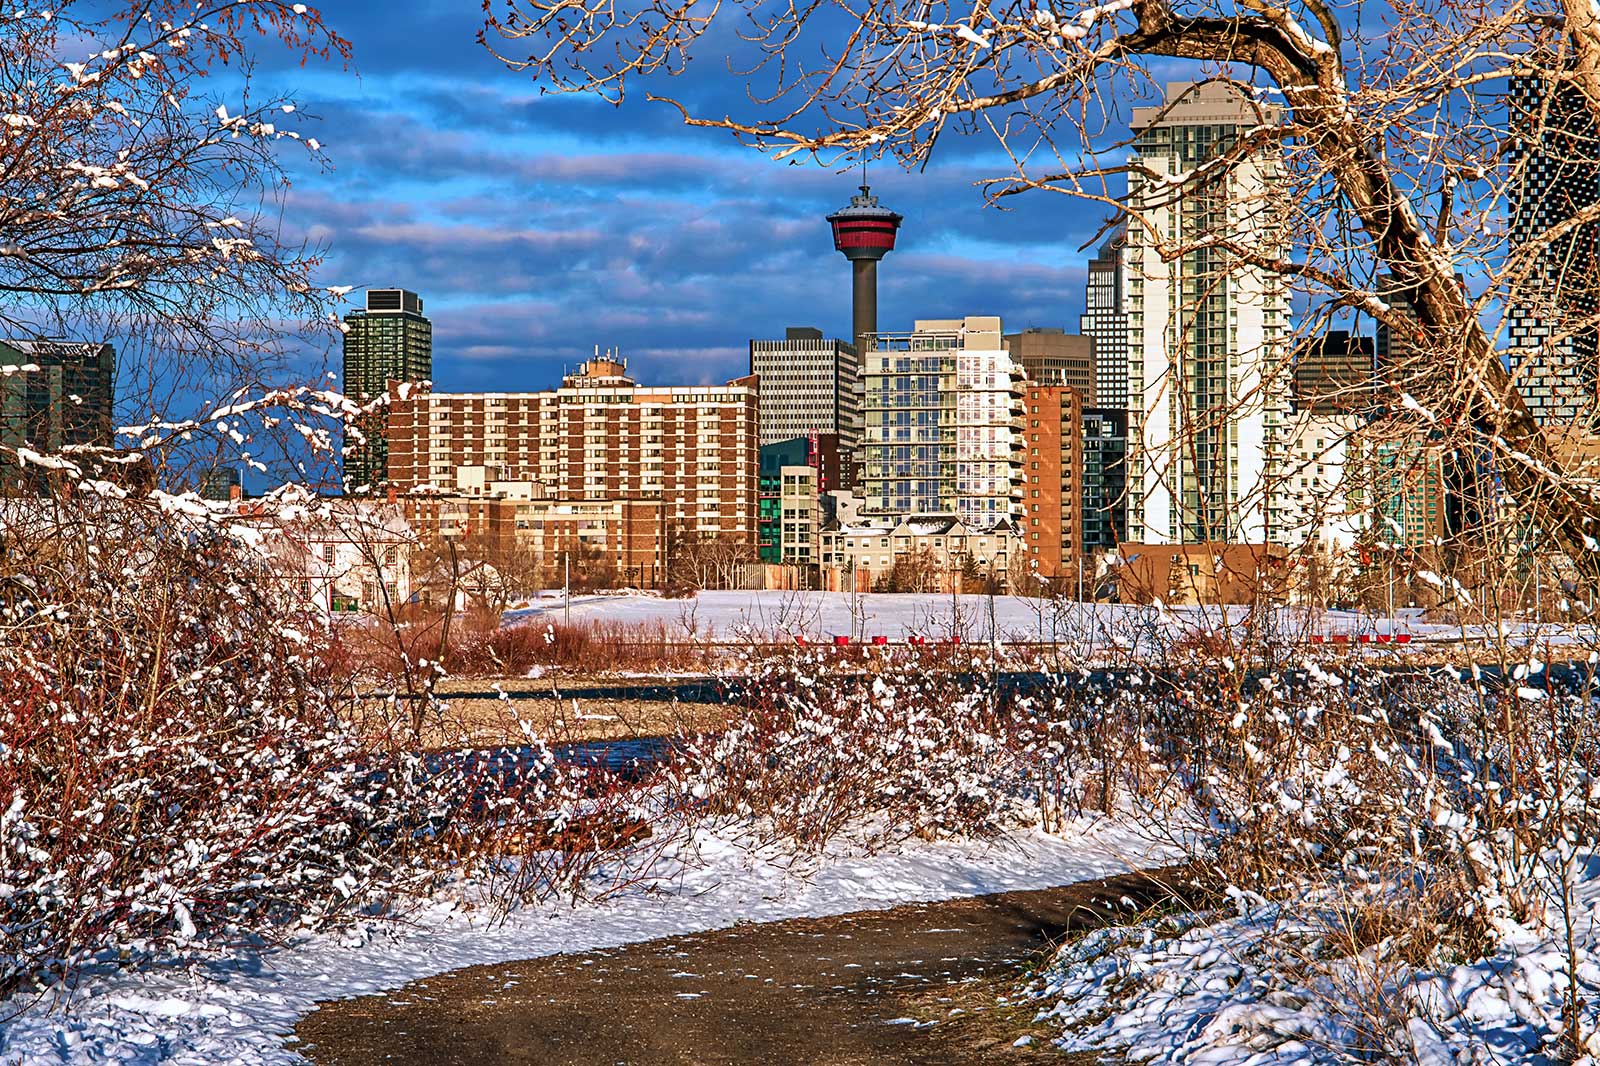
<point>864,232</point>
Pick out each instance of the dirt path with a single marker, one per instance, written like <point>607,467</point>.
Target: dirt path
<point>923,984</point>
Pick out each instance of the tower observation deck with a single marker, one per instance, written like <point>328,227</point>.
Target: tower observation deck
<point>864,232</point>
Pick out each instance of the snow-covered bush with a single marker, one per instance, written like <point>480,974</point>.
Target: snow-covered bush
<point>171,764</point>
<point>1406,863</point>
<point>907,745</point>
<point>178,767</point>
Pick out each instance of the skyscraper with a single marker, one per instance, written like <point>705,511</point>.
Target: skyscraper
<point>941,405</point>
<point>54,394</point>
<point>1207,335</point>
<point>1555,175</point>
<point>388,341</point>
<point>864,232</point>
<point>809,385</point>
<point>1333,374</point>
<point>1105,320</point>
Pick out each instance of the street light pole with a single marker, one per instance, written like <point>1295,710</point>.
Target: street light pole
<point>566,588</point>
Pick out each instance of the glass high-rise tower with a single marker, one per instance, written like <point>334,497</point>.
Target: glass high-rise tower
<point>388,341</point>
<point>941,406</point>
<point>1555,176</point>
<point>1207,332</point>
<point>1105,319</point>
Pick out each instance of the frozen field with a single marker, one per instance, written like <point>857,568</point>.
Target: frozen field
<point>821,616</point>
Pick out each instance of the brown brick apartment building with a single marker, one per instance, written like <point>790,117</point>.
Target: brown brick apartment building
<point>1052,493</point>
<point>623,538</point>
<point>690,453</point>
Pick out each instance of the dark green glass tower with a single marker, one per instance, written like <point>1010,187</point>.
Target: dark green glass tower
<point>389,341</point>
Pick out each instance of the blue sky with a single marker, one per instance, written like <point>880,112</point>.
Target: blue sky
<point>538,227</point>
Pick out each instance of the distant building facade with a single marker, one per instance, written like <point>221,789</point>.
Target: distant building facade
<point>933,553</point>
<point>1105,322</point>
<point>941,406</point>
<point>1190,574</point>
<point>54,394</point>
<point>1555,178</point>
<point>600,436</point>
<point>1105,479</point>
<point>1335,374</point>
<point>810,384</point>
<point>626,538</point>
<point>1053,481</point>
<point>1319,499</point>
<point>795,475</point>
<point>221,483</point>
<point>1208,334</point>
<point>1056,357</point>
<point>389,340</point>
<point>336,557</point>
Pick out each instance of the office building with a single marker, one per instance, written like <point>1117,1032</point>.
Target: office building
<point>54,395</point>
<point>389,340</point>
<point>1055,357</point>
<point>1208,333</point>
<point>1405,481</point>
<point>1105,322</point>
<point>1555,178</point>
<point>221,483</point>
<point>600,436</point>
<point>941,410</point>
<point>1334,374</point>
<point>1105,479</point>
<point>810,384</point>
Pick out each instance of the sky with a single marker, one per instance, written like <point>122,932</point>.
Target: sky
<point>537,227</point>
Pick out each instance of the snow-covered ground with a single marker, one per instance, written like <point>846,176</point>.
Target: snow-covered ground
<point>823,615</point>
<point>241,1008</point>
<point>1237,991</point>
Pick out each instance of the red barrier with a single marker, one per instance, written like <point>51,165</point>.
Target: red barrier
<point>880,640</point>
<point>839,642</point>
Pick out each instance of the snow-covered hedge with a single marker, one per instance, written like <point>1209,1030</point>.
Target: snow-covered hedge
<point>178,771</point>
<point>908,745</point>
<point>1406,869</point>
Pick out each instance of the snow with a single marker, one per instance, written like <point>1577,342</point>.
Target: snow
<point>1232,991</point>
<point>820,616</point>
<point>240,1008</point>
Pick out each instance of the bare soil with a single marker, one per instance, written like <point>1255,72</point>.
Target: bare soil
<point>921,985</point>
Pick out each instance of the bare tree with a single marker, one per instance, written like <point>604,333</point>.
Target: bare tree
<point>143,203</point>
<point>1394,149</point>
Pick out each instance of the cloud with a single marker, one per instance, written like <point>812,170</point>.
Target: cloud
<point>536,228</point>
